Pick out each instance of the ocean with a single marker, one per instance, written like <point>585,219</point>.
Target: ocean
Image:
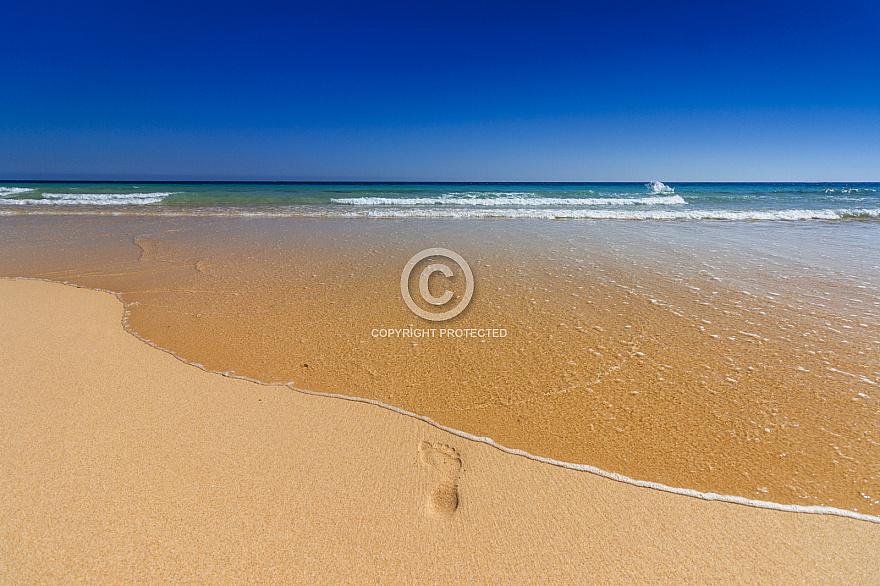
<point>636,201</point>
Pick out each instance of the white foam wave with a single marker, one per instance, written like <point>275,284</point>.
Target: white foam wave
<point>510,200</point>
<point>553,214</point>
<point>490,194</point>
<point>659,187</point>
<point>13,190</point>
<point>92,199</point>
<point>851,190</point>
<point>549,214</point>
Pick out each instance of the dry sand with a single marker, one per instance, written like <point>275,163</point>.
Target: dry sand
<point>121,463</point>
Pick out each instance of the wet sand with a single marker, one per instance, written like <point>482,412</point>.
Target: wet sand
<point>734,358</point>
<point>120,463</point>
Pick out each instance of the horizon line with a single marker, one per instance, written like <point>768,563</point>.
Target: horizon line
<point>423,182</point>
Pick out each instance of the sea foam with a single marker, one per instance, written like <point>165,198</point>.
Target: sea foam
<point>659,187</point>
<point>92,199</point>
<point>509,200</point>
<point>559,214</point>
<point>13,190</point>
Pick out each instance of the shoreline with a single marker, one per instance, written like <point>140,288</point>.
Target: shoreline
<point>243,297</point>
<point>707,496</point>
<point>182,467</point>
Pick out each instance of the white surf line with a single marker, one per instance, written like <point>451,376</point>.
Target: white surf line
<point>707,496</point>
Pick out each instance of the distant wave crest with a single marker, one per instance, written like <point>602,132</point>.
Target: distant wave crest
<point>659,187</point>
<point>13,190</point>
<point>851,190</point>
<point>870,214</point>
<point>784,215</point>
<point>512,200</point>
<point>92,199</point>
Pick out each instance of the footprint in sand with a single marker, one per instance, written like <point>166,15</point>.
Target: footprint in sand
<point>445,465</point>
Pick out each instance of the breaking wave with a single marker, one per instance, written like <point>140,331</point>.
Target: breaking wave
<point>4,191</point>
<point>559,214</point>
<point>659,187</point>
<point>509,200</point>
<point>94,199</point>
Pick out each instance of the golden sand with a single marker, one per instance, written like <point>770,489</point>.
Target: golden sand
<point>719,359</point>
<point>120,464</point>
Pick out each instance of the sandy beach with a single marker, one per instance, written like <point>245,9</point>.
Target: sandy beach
<point>730,358</point>
<point>121,463</point>
<point>398,293</point>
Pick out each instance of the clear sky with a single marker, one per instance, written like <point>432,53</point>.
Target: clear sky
<point>451,90</point>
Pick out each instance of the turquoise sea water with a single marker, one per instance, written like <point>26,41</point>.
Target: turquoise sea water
<point>644,201</point>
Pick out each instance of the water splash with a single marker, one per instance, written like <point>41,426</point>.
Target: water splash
<point>659,187</point>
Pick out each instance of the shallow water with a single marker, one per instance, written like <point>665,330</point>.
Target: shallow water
<point>738,358</point>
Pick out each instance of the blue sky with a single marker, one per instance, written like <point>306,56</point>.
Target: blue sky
<point>457,91</point>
